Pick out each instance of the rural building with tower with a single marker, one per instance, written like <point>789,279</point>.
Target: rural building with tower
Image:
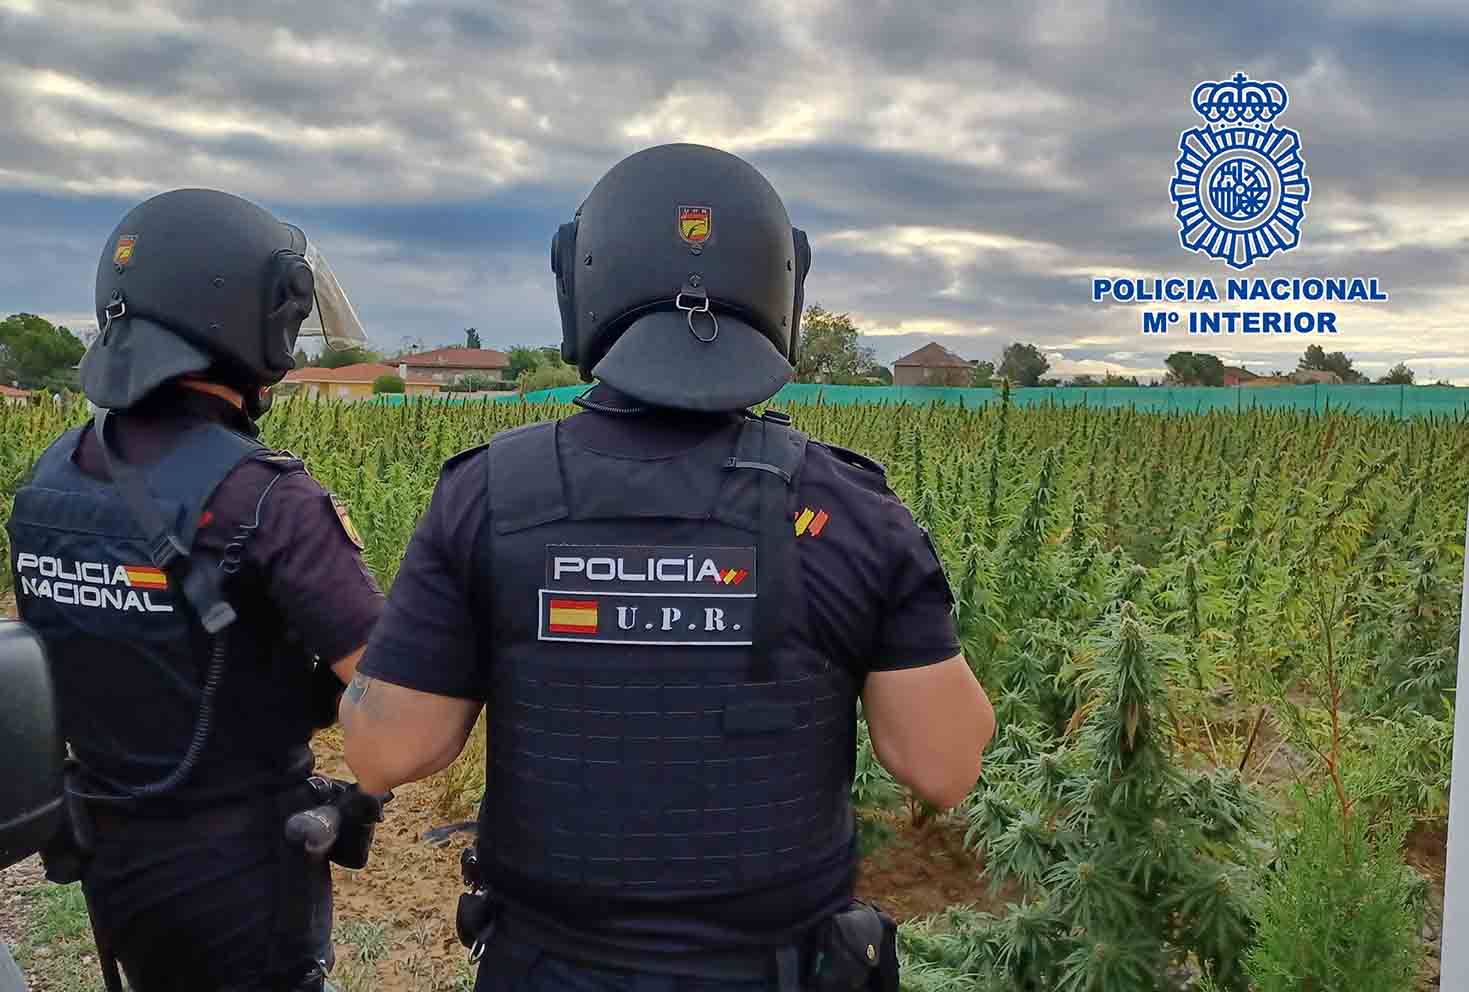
<point>933,365</point>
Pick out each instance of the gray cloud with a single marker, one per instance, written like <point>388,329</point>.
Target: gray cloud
<point>963,169</point>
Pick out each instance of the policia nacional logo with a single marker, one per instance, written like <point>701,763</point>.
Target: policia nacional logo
<point>1239,184</point>
<point>647,595</point>
<point>96,585</point>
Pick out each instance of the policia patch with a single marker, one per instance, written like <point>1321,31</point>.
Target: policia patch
<point>648,595</point>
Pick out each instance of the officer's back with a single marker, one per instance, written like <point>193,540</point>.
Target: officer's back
<point>671,608</point>
<point>201,601</point>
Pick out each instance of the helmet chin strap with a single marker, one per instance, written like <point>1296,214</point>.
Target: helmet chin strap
<point>255,401</point>
<point>214,389</point>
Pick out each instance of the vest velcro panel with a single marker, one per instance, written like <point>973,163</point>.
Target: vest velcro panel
<point>640,745</point>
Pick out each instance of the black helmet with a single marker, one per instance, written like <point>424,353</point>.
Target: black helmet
<point>680,281</point>
<point>30,804</point>
<point>195,281</point>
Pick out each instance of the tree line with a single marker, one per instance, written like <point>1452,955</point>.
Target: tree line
<point>832,352</point>
<point>1187,368</point>
<point>34,354</point>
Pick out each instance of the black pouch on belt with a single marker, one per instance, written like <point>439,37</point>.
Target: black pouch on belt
<point>474,917</point>
<point>65,857</point>
<point>857,950</point>
<point>361,813</point>
<point>479,910</point>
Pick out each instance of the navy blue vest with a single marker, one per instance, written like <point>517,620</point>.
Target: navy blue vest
<point>662,730</point>
<point>128,652</point>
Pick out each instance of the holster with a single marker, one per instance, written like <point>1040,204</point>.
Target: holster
<point>66,857</point>
<point>856,949</point>
<point>478,910</point>
<point>356,814</point>
<point>361,813</point>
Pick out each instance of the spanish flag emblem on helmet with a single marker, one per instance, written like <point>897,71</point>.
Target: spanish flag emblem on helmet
<point>695,224</point>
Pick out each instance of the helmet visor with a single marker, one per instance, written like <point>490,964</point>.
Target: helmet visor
<point>332,318</point>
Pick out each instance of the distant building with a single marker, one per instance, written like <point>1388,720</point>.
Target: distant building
<point>354,382</point>
<point>447,366</point>
<point>9,394</point>
<point>933,365</point>
<point>1234,376</point>
<point>1306,377</point>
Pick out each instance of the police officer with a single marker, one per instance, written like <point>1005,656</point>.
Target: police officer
<point>202,600</point>
<point>671,609</point>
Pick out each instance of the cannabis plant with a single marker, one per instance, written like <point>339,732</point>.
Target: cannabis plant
<point>1132,867</point>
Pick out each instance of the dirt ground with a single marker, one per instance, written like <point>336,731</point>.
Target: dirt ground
<point>412,887</point>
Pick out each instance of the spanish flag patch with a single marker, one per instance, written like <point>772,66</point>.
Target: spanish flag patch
<point>145,577</point>
<point>573,616</point>
<point>811,522</point>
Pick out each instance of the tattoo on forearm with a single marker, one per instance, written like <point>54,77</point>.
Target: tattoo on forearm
<point>357,688</point>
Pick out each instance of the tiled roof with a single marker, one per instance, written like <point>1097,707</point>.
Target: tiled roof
<point>458,358</point>
<point>934,356</point>
<point>361,372</point>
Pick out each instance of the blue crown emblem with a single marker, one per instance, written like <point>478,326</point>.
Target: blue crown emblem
<point>1239,184</point>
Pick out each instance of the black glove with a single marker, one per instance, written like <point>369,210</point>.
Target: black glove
<point>361,813</point>
<point>340,829</point>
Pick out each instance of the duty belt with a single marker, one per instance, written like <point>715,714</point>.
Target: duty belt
<point>482,917</point>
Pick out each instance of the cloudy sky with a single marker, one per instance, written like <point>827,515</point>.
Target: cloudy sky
<point>964,169</point>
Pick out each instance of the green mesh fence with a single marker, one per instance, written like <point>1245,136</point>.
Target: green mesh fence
<point>1392,401</point>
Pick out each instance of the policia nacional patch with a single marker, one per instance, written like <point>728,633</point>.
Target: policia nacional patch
<point>648,595</point>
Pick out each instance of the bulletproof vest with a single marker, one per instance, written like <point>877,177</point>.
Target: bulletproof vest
<point>130,654</point>
<point>660,722</point>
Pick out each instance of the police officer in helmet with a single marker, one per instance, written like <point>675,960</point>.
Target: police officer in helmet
<point>670,609</point>
<point>202,601</point>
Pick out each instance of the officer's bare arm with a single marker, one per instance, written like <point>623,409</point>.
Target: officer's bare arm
<point>929,727</point>
<point>346,667</point>
<point>392,734</point>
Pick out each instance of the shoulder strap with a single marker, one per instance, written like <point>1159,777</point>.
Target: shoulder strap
<point>191,471</point>
<point>769,445</point>
<point>525,484</point>
<point>201,586</point>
